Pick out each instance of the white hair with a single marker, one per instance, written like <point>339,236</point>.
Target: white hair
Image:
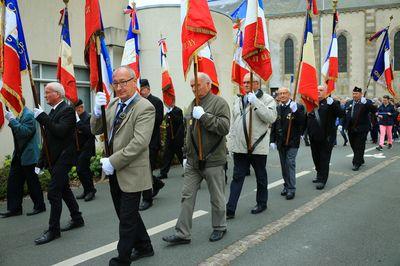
<point>203,76</point>
<point>57,87</point>
<point>130,70</point>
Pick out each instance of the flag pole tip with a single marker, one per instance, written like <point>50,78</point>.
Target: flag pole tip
<point>66,1</point>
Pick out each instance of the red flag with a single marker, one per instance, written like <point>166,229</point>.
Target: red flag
<point>239,68</point>
<point>1,115</point>
<point>93,25</point>
<point>256,51</point>
<point>206,65</point>
<point>166,81</point>
<point>197,29</point>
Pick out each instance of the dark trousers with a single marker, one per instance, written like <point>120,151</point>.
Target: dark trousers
<point>287,158</point>
<point>84,173</point>
<point>357,143</point>
<point>241,166</point>
<point>374,133</point>
<point>59,190</point>
<point>132,232</point>
<point>343,133</point>
<point>321,152</point>
<point>148,194</point>
<point>15,186</point>
<point>170,151</point>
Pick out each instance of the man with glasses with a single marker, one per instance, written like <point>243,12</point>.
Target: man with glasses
<point>130,120</point>
<point>250,148</point>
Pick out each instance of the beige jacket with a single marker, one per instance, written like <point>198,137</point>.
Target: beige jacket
<point>130,158</point>
<point>264,114</point>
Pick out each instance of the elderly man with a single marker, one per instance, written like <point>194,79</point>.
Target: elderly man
<point>357,124</point>
<point>59,126</point>
<point>250,149</point>
<point>130,121</point>
<point>321,127</point>
<point>211,117</point>
<point>288,112</point>
<point>86,149</point>
<point>22,168</point>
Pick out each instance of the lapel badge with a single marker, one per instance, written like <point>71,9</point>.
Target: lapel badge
<point>190,122</point>
<point>122,116</point>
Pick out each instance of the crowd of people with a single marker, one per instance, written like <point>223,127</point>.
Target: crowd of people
<point>201,138</point>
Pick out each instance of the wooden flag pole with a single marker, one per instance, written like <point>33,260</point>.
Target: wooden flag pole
<point>196,88</point>
<point>100,88</point>
<point>289,130</point>
<point>249,145</point>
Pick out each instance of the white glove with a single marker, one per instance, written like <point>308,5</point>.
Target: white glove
<point>363,100</point>
<point>99,101</point>
<point>293,106</point>
<point>77,117</point>
<point>184,163</point>
<point>107,167</point>
<point>8,115</point>
<point>273,146</point>
<point>37,111</point>
<point>38,171</point>
<point>340,127</point>
<point>329,100</point>
<point>198,112</point>
<point>251,97</point>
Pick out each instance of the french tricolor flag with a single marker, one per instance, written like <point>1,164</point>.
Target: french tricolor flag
<point>65,67</point>
<point>106,69</point>
<point>382,71</point>
<point>330,69</point>
<point>256,50</point>
<point>206,65</point>
<point>239,68</point>
<point>130,56</point>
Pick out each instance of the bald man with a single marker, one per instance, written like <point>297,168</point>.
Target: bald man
<point>212,115</point>
<point>288,112</point>
<point>321,127</point>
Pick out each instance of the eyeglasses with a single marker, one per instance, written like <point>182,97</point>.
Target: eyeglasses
<point>248,82</point>
<point>123,83</point>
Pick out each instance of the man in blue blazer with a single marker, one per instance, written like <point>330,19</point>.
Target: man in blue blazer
<point>24,160</point>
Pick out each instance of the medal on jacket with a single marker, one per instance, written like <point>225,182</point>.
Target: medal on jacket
<point>122,116</point>
<point>190,122</point>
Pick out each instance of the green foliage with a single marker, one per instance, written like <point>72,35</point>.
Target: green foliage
<point>95,165</point>
<point>73,175</point>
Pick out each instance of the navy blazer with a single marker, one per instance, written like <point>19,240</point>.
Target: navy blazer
<point>360,121</point>
<point>388,114</point>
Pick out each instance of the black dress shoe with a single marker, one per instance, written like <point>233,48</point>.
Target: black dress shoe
<point>81,196</point>
<point>217,235</point>
<point>162,177</point>
<point>315,180</point>
<point>136,254</point>
<point>258,209</point>
<point>145,205</point>
<point>90,196</point>
<point>47,237</point>
<point>320,186</point>
<point>284,192</point>
<point>176,240</point>
<point>290,195</point>
<point>158,184</point>
<point>118,262</point>
<point>356,167</point>
<point>379,148</point>
<point>230,214</point>
<point>72,225</point>
<point>10,214</point>
<point>35,211</point>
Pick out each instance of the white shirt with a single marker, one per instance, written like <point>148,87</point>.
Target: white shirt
<point>55,106</point>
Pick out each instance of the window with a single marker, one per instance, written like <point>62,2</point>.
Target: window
<point>45,73</point>
<point>289,56</point>
<point>342,53</point>
<point>396,50</point>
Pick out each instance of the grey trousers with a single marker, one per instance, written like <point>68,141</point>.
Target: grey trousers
<point>215,178</point>
<point>287,157</point>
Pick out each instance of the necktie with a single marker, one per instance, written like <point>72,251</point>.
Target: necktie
<point>116,124</point>
<point>51,114</point>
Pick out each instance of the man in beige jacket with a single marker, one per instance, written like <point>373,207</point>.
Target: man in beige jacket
<point>130,121</point>
<point>264,114</point>
<point>212,114</point>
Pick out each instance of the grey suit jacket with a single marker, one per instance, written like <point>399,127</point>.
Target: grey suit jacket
<point>130,156</point>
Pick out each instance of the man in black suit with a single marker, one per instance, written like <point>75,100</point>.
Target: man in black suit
<point>155,144</point>
<point>321,128</point>
<point>59,128</point>
<point>85,143</point>
<point>174,139</point>
<point>287,111</point>
<point>357,124</point>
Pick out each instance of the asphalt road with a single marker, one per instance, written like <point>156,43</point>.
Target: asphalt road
<point>358,226</point>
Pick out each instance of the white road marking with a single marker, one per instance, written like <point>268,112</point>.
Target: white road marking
<point>112,246</point>
<point>367,150</point>
<point>280,182</point>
